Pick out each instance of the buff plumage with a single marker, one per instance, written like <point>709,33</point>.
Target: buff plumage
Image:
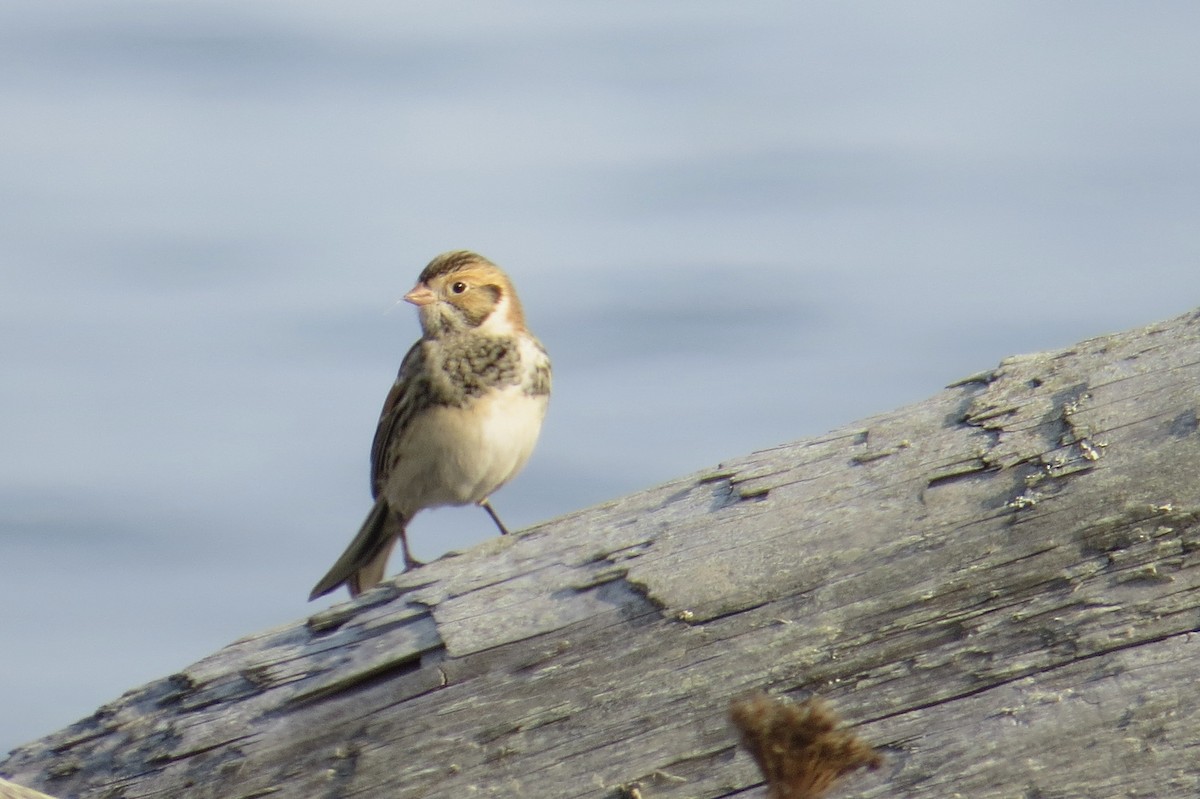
<point>462,417</point>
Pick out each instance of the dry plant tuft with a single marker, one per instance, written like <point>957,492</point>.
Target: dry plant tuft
<point>802,749</point>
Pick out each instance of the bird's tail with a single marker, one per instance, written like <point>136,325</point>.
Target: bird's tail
<point>362,564</point>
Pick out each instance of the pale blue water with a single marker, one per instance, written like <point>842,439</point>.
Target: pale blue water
<point>732,227</point>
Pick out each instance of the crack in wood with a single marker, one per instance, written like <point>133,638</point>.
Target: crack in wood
<point>385,669</point>
<point>969,467</point>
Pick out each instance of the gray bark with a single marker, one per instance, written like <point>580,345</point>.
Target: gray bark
<point>998,586</point>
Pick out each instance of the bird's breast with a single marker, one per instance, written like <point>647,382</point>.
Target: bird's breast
<point>460,455</point>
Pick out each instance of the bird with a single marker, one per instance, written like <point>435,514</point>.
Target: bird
<point>462,417</point>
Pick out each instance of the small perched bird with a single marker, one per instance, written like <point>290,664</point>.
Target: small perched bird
<point>462,417</point>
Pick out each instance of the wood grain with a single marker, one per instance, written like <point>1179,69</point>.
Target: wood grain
<point>999,586</point>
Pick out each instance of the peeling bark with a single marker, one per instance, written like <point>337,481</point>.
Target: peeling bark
<point>998,586</point>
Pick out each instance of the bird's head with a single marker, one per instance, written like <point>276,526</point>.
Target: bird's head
<point>461,291</point>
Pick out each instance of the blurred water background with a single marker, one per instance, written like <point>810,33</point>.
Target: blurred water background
<point>732,224</point>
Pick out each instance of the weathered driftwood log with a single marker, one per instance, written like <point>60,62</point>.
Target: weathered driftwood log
<point>10,790</point>
<point>999,585</point>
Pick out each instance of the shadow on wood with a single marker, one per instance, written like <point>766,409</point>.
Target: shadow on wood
<point>999,585</point>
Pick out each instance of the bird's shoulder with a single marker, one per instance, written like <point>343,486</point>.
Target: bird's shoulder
<point>536,363</point>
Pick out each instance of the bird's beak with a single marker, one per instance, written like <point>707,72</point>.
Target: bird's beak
<point>420,295</point>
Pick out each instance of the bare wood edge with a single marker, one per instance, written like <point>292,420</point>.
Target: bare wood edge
<point>10,790</point>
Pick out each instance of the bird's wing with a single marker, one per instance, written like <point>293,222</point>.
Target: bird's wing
<point>410,394</point>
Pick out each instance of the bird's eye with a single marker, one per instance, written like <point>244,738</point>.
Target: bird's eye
<point>459,287</point>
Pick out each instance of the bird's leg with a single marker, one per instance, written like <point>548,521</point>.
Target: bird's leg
<point>409,561</point>
<point>487,506</point>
